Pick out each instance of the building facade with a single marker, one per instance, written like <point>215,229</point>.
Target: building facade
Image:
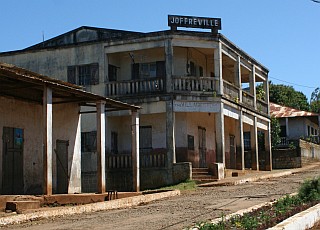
<point>197,91</point>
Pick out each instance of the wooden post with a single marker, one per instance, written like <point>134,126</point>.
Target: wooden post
<point>47,140</point>
<point>218,69</point>
<point>268,151</point>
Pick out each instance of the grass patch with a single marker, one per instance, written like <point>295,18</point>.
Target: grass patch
<point>269,215</point>
<point>183,186</point>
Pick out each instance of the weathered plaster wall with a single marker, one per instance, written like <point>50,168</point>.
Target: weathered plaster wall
<point>67,126</point>
<point>54,62</point>
<point>28,116</point>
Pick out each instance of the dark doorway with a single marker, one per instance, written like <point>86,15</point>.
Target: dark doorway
<point>12,165</point>
<point>62,166</point>
<point>202,147</point>
<point>233,159</point>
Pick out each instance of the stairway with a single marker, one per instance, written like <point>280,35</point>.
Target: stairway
<point>201,175</point>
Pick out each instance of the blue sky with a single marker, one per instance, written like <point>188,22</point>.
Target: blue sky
<point>283,35</point>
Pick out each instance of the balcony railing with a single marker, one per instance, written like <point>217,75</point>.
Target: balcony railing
<point>247,99</point>
<point>231,91</point>
<point>134,87</point>
<point>203,84</point>
<point>262,106</point>
<point>147,160</point>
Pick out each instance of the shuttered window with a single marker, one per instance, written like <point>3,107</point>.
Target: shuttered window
<point>148,70</point>
<point>83,74</point>
<point>145,138</point>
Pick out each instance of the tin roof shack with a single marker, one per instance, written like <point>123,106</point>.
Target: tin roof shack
<point>40,151</point>
<point>296,124</point>
<point>197,91</point>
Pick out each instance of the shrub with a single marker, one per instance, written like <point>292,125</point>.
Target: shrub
<point>310,190</point>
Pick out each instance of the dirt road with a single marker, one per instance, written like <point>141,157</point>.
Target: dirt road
<point>181,211</point>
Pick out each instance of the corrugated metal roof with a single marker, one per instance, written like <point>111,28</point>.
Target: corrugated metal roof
<point>280,111</point>
<point>27,85</point>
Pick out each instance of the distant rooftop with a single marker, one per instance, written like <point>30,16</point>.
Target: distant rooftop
<point>280,111</point>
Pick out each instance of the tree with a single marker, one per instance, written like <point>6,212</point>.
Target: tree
<point>275,132</point>
<point>315,100</point>
<point>288,96</point>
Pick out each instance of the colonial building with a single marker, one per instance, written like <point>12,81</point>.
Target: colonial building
<point>197,91</point>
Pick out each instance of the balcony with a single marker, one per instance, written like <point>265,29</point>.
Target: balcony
<point>183,85</point>
<point>134,87</point>
<point>193,84</point>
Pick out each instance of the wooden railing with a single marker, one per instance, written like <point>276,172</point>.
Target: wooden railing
<point>231,91</point>
<point>134,87</point>
<point>147,160</point>
<point>203,84</point>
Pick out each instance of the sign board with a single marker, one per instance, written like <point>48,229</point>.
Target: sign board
<point>175,21</point>
<point>194,106</point>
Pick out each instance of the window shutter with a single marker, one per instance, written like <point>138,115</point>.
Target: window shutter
<point>94,69</point>
<point>161,68</point>
<point>71,74</point>
<point>135,71</point>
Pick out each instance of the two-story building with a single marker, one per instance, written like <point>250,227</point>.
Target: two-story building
<point>197,91</point>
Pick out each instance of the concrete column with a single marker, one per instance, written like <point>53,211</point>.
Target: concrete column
<point>101,150</point>
<point>218,69</point>
<point>170,135</point>
<point>253,86</point>
<point>75,173</point>
<point>135,150</point>
<point>220,139</point>
<point>266,90</point>
<point>169,65</point>
<point>237,70</point>
<point>240,143</point>
<point>268,152</point>
<point>47,140</point>
<point>254,145</point>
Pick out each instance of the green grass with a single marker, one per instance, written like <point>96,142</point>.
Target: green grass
<point>269,215</point>
<point>183,186</point>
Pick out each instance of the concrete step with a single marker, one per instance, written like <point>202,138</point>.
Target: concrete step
<point>200,170</point>
<point>20,205</point>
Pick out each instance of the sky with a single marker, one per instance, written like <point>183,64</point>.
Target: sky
<point>283,35</point>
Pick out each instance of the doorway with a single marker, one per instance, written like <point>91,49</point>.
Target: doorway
<point>62,166</point>
<point>202,147</point>
<point>12,161</point>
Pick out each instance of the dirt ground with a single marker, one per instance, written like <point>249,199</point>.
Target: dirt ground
<point>181,211</point>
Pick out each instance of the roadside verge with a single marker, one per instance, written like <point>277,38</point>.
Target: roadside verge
<point>93,207</point>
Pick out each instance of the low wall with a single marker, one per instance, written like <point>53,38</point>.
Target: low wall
<point>286,158</point>
<point>309,150</point>
<point>182,171</point>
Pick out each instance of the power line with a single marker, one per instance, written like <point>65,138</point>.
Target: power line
<point>310,87</point>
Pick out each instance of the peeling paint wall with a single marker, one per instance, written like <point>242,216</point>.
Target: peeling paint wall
<point>28,116</point>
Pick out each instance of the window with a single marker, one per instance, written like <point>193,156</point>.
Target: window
<point>114,142</point>
<point>145,138</point>
<point>83,74</point>
<point>200,71</point>
<point>89,141</point>
<point>192,69</point>
<point>283,131</point>
<point>190,142</point>
<point>112,70</point>
<point>148,70</point>
<point>247,141</point>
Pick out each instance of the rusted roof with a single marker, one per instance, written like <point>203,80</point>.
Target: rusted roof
<point>26,85</point>
<point>280,111</point>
